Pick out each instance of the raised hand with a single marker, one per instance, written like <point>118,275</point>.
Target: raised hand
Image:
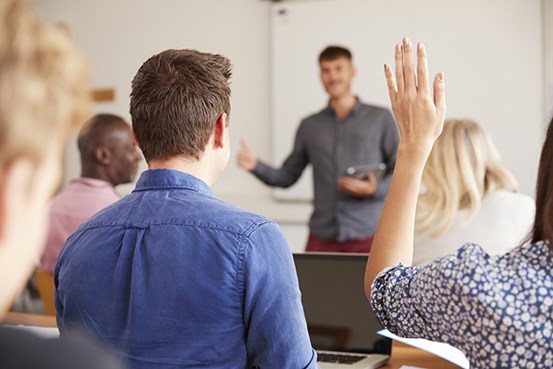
<point>246,158</point>
<point>419,111</point>
<point>420,115</point>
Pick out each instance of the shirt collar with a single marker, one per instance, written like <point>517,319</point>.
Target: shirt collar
<point>166,179</point>
<point>353,110</point>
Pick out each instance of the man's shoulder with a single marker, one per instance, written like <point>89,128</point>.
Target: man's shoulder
<point>190,210</point>
<point>509,201</point>
<point>230,217</point>
<point>362,106</point>
<point>317,116</point>
<point>62,197</point>
<point>374,109</point>
<point>77,199</point>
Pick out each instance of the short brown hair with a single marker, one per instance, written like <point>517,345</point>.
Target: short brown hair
<point>176,98</point>
<point>334,52</point>
<point>43,85</point>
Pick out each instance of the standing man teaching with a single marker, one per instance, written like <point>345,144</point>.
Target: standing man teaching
<point>346,133</point>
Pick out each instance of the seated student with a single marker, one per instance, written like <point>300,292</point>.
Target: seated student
<point>497,310</point>
<point>468,197</point>
<point>171,276</point>
<point>109,157</point>
<point>43,98</point>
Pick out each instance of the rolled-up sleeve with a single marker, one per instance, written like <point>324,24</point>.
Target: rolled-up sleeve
<point>291,168</point>
<point>430,301</point>
<point>277,335</point>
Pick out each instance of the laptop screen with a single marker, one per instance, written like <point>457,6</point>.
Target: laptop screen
<point>339,316</point>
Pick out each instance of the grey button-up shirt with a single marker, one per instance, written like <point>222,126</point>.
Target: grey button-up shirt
<point>368,135</point>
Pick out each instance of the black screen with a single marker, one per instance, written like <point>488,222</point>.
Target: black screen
<point>339,316</point>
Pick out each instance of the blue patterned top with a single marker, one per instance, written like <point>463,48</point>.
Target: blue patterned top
<point>497,310</point>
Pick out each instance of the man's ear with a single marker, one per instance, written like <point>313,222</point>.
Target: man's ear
<point>102,155</point>
<point>15,178</point>
<point>220,130</point>
<point>134,139</point>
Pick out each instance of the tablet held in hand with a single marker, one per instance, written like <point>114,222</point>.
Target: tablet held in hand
<point>362,171</point>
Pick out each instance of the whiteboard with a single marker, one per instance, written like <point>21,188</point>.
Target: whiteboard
<point>491,52</point>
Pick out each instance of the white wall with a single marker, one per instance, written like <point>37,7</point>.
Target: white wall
<point>117,36</point>
<point>491,52</point>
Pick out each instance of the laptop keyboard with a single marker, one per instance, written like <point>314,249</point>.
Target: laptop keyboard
<point>339,358</point>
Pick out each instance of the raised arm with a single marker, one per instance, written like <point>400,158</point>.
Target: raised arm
<point>291,168</point>
<point>419,113</point>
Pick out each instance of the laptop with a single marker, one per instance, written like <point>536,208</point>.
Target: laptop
<point>342,326</point>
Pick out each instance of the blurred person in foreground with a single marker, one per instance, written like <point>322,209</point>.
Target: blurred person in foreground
<point>43,99</point>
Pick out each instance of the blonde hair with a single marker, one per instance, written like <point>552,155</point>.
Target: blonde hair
<point>43,85</point>
<point>461,170</point>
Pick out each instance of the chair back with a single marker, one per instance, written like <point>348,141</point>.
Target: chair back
<point>45,286</point>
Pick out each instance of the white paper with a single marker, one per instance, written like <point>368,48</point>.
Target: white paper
<point>440,349</point>
<point>44,332</point>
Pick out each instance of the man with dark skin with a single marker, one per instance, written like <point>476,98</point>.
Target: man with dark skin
<point>109,157</point>
<point>108,151</point>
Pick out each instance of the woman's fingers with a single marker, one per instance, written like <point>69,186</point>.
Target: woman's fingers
<point>409,68</point>
<point>392,87</point>
<point>418,107</point>
<point>399,68</point>
<point>439,96</point>
<point>422,70</point>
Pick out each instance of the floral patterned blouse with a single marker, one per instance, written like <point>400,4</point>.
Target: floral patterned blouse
<point>497,310</point>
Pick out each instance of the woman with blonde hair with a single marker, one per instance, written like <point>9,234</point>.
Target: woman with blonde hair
<point>469,196</point>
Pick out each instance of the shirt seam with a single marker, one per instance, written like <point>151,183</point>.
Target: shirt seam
<point>241,256</point>
<point>246,232</point>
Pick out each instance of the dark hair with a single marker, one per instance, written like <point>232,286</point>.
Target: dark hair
<point>94,130</point>
<point>543,222</point>
<point>176,98</point>
<point>334,52</point>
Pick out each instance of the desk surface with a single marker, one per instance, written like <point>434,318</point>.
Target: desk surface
<point>402,354</point>
<point>12,318</point>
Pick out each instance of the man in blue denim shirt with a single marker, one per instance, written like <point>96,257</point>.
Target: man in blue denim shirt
<point>170,276</point>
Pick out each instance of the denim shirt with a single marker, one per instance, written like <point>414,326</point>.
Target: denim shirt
<point>171,277</point>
